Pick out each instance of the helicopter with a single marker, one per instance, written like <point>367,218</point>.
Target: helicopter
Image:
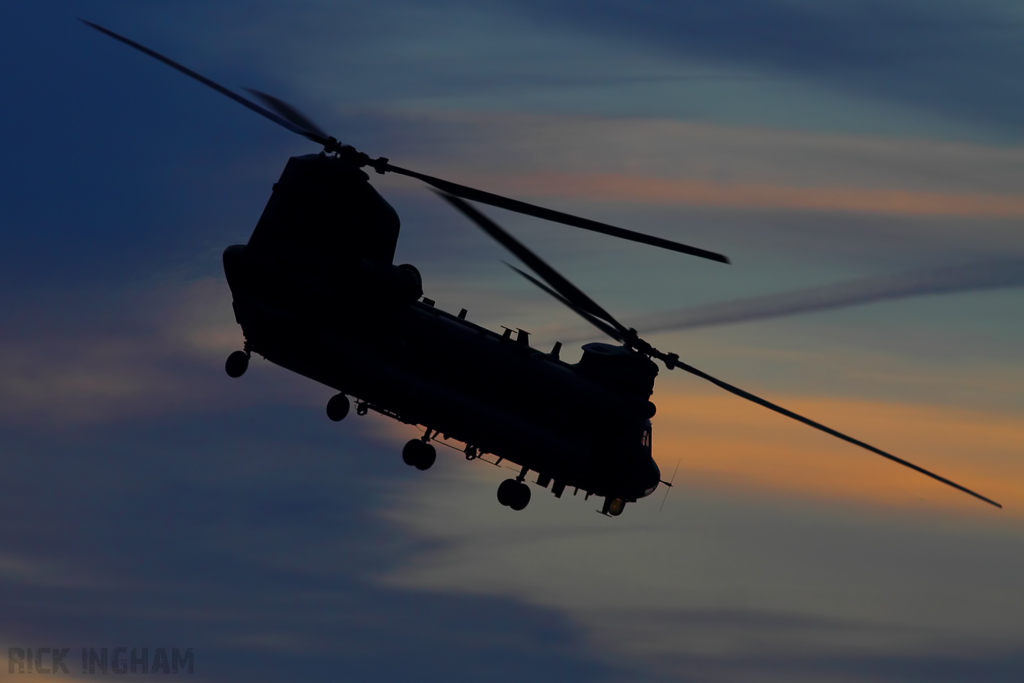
<point>316,291</point>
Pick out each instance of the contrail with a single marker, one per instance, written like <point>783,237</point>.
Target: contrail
<point>947,280</point>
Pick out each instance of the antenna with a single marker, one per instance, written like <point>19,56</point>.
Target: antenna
<point>668,485</point>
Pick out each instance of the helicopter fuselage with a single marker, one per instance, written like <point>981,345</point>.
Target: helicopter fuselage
<point>317,295</point>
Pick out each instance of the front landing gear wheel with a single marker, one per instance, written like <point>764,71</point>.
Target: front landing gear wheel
<point>514,494</point>
<point>410,454</point>
<point>337,408</point>
<point>237,364</point>
<point>427,457</point>
<point>521,497</point>
<point>419,454</point>
<point>507,492</point>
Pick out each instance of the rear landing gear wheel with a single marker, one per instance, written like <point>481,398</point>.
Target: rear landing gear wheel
<point>337,408</point>
<point>419,454</point>
<point>237,364</point>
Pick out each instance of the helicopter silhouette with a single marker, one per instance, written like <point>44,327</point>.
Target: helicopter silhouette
<point>316,291</point>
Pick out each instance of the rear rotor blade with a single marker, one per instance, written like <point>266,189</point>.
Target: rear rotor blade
<point>596,322</point>
<point>311,135</point>
<point>550,215</point>
<point>817,425</point>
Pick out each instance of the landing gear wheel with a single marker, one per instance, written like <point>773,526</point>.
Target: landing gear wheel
<point>427,457</point>
<point>237,364</point>
<point>506,492</point>
<point>337,408</point>
<point>419,454</point>
<point>410,452</point>
<point>521,497</point>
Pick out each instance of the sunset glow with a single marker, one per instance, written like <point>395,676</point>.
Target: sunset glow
<point>860,164</point>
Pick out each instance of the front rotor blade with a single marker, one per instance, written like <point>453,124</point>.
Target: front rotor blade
<point>550,215</point>
<point>811,423</point>
<point>311,135</point>
<point>546,272</point>
<point>289,112</point>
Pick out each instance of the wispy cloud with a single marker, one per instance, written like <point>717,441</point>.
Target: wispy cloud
<point>132,355</point>
<point>736,577</point>
<point>947,280</point>
<point>509,141</point>
<point>672,163</point>
<point>955,58</point>
<point>725,443</point>
<point>688,192</point>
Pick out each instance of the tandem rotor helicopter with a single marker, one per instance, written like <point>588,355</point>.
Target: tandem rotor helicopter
<point>315,291</point>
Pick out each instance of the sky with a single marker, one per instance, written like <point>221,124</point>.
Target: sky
<point>861,163</point>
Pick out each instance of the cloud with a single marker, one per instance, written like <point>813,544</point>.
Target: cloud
<point>736,584</point>
<point>157,350</point>
<point>728,442</point>
<point>744,645</point>
<point>508,141</point>
<point>758,195</point>
<point>838,65</point>
<point>936,281</point>
<point>686,192</point>
<point>954,58</point>
<point>250,535</point>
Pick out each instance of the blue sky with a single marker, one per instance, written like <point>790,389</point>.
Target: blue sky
<point>152,501</point>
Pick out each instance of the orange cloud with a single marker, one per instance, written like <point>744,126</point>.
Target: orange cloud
<point>722,442</point>
<point>615,187</point>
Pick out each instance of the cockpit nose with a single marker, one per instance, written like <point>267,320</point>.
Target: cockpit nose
<point>636,474</point>
<point>644,476</point>
<point>651,479</point>
<point>650,476</point>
